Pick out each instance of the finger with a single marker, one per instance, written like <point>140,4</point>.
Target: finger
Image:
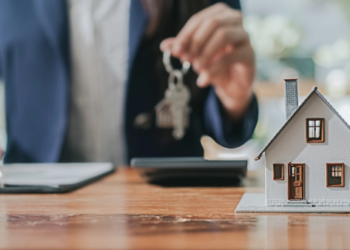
<point>224,51</point>
<point>221,38</point>
<point>216,69</point>
<point>203,80</point>
<point>206,76</point>
<point>183,38</point>
<point>244,55</point>
<point>208,27</point>
<point>167,44</point>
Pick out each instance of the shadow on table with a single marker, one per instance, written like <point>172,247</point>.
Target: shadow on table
<point>197,182</point>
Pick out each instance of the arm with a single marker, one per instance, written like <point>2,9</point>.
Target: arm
<point>222,128</point>
<point>219,49</point>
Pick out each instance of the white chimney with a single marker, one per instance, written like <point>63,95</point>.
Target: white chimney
<point>291,90</point>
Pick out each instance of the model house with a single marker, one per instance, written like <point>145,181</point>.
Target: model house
<point>307,161</point>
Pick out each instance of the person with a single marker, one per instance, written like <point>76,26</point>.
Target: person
<point>83,77</point>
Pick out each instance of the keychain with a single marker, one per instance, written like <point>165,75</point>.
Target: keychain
<point>173,111</point>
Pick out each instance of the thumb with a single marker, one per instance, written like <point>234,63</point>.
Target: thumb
<point>203,79</point>
<point>167,44</point>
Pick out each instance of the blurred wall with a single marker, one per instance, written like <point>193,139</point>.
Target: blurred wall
<point>321,26</point>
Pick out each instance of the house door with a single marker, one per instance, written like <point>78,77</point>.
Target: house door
<point>296,181</point>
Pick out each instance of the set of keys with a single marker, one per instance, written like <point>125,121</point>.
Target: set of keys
<point>173,111</point>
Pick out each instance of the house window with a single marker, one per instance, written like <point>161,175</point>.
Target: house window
<point>315,130</point>
<point>335,174</point>
<point>278,171</point>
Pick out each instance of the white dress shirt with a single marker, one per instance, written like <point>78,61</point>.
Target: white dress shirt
<point>99,56</point>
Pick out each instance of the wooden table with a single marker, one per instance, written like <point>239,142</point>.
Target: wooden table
<point>123,212</point>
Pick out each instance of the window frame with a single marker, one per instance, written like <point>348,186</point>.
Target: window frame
<point>282,171</point>
<point>342,184</point>
<point>308,140</point>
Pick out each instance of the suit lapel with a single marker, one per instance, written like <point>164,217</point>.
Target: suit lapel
<point>137,24</point>
<point>54,21</point>
<point>53,17</point>
<point>52,84</point>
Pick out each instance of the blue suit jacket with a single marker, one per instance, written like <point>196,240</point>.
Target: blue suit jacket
<point>34,64</point>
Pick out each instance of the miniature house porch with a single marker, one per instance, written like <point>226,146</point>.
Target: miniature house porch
<point>307,162</point>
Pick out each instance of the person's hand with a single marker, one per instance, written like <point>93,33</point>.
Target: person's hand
<point>217,46</point>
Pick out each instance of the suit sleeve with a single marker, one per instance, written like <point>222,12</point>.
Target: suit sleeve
<point>218,125</point>
<point>222,128</point>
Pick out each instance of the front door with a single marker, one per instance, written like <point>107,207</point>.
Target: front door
<point>296,181</point>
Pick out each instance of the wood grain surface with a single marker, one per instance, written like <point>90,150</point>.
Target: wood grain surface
<point>123,212</point>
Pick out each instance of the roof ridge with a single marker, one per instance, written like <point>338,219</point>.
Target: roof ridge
<point>324,99</point>
<point>313,90</point>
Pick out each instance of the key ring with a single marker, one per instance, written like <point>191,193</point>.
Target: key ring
<point>169,68</point>
<point>175,74</point>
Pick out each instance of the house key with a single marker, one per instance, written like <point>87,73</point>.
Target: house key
<point>173,111</point>
<point>178,96</point>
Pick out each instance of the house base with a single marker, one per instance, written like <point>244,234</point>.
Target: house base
<point>255,203</point>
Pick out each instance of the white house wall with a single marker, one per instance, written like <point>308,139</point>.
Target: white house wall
<point>291,146</point>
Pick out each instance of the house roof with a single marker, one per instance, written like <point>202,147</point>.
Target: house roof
<point>313,91</point>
